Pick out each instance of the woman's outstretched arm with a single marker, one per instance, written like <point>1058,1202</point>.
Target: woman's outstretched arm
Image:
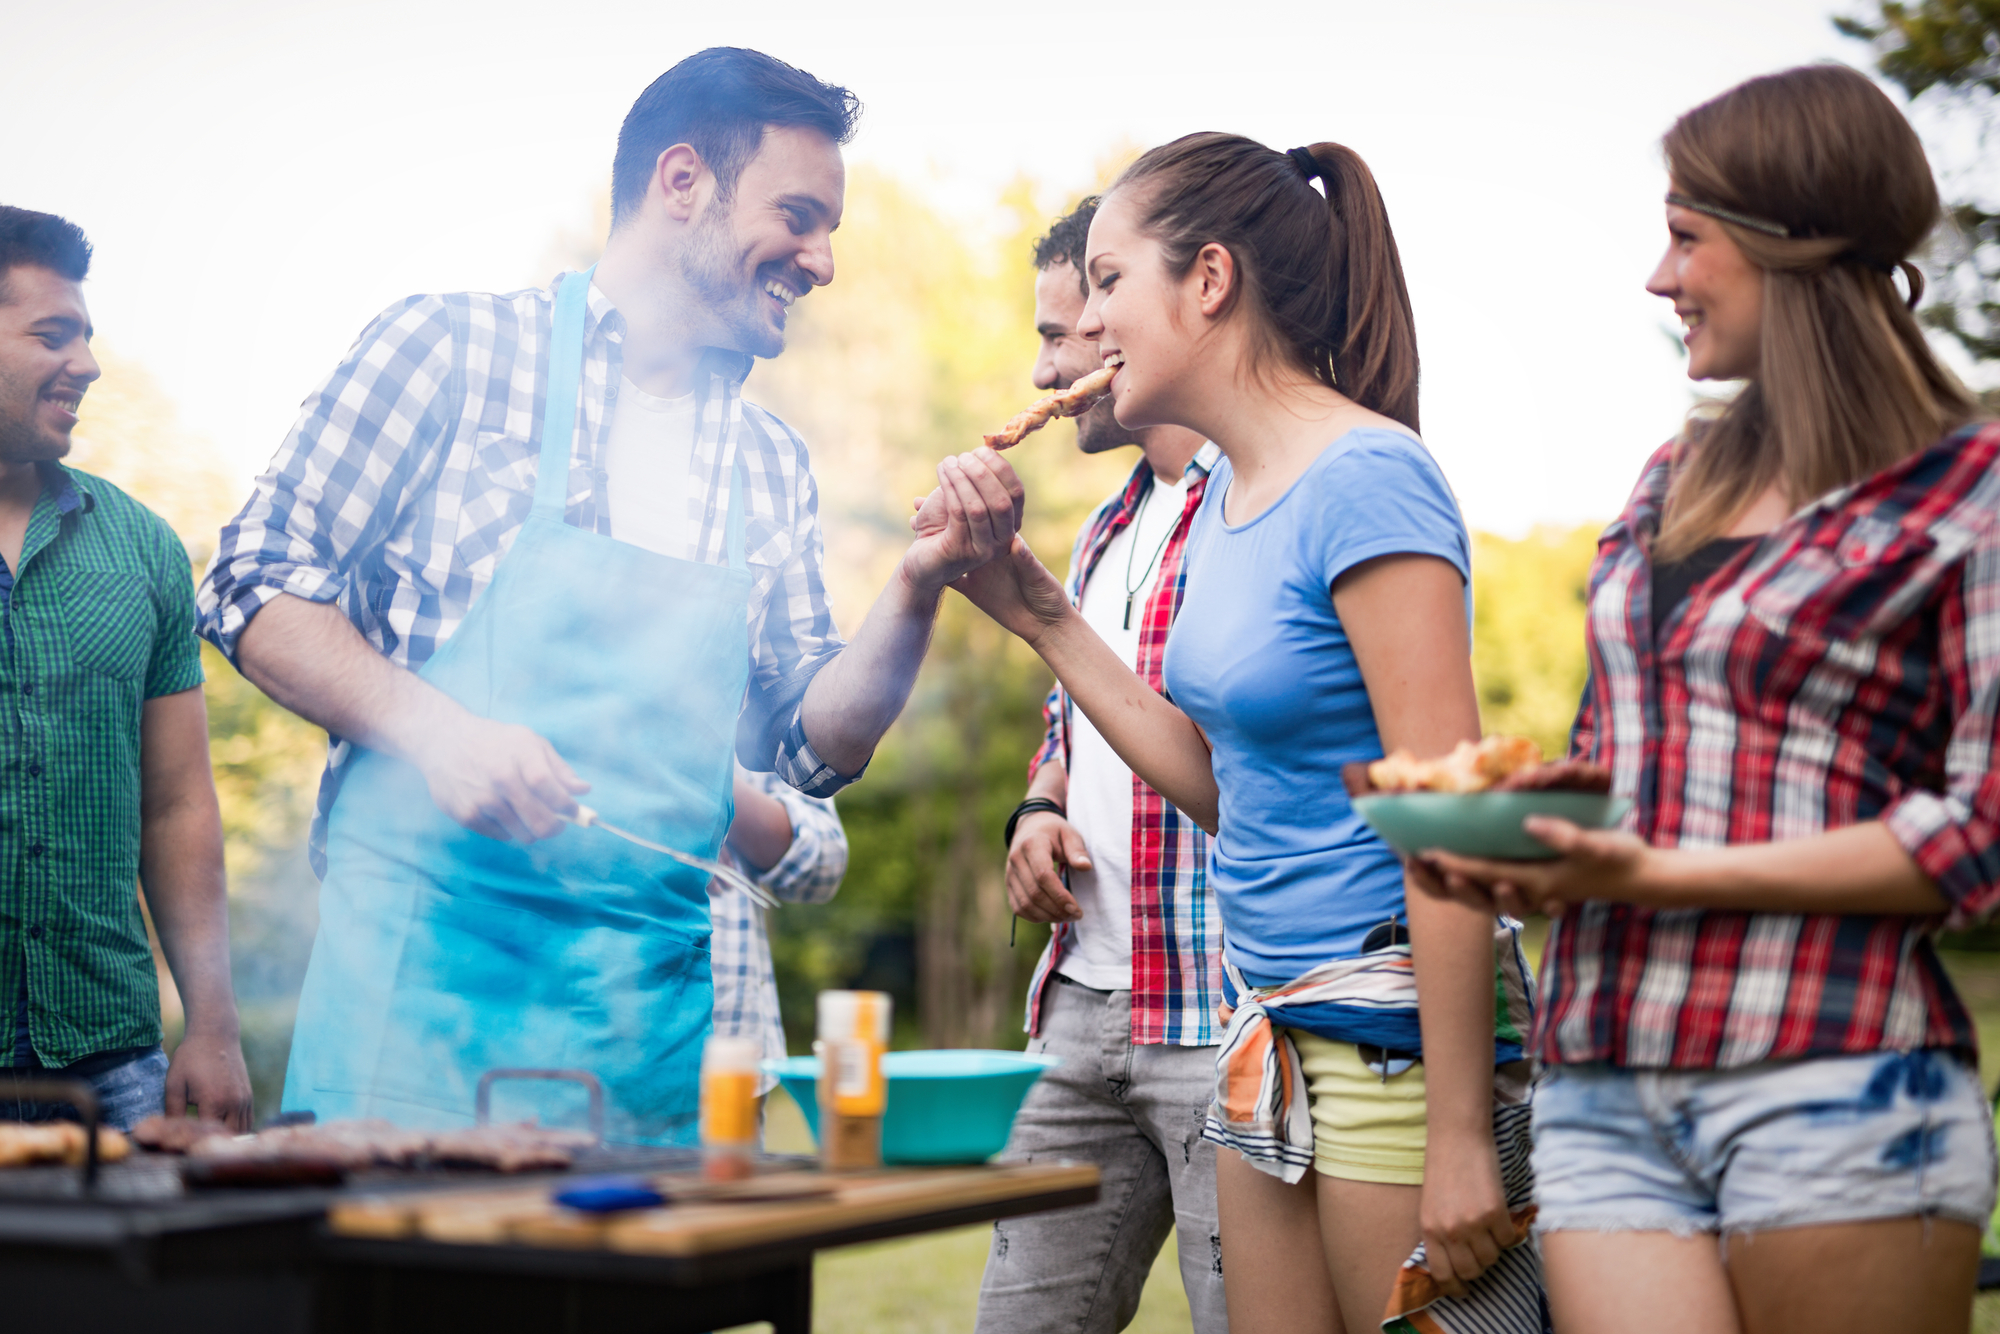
<point>1160,743</point>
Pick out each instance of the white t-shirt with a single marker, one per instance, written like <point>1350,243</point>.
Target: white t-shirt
<point>1100,784</point>
<point>646,465</point>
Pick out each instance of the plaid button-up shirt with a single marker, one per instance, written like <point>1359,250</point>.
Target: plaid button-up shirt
<point>98,619</point>
<point>1176,928</point>
<point>412,468</point>
<point>746,986</point>
<point>1845,668</point>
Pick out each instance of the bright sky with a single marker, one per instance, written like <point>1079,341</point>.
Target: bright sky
<point>260,179</point>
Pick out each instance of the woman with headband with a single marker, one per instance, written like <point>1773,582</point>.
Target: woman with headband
<point>1326,618</point>
<point>1762,1110</point>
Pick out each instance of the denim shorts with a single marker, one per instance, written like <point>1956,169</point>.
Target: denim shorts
<point>1838,1139</point>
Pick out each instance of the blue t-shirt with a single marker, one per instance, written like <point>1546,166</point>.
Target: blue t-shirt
<point>1259,659</point>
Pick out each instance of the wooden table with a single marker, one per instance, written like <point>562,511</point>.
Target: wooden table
<point>506,1259</point>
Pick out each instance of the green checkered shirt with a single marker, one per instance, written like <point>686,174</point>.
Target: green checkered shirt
<point>100,619</point>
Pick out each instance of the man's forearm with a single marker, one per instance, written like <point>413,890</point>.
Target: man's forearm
<point>180,866</point>
<point>1050,783</point>
<point>855,698</point>
<point>180,857</point>
<point>309,657</point>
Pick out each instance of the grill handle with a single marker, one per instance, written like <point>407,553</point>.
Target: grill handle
<point>483,1099</point>
<point>77,1094</point>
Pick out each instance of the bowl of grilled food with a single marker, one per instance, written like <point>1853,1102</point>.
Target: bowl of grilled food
<point>1474,800</point>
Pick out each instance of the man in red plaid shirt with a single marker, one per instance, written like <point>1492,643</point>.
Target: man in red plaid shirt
<point>1126,992</point>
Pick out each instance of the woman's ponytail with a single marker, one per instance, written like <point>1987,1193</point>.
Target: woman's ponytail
<point>1324,273</point>
<point>1373,335</point>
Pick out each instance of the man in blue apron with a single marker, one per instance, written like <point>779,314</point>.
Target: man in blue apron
<point>524,547</point>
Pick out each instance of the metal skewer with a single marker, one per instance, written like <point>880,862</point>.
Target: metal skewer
<point>729,875</point>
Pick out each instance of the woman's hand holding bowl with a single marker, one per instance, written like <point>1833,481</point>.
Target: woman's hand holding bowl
<point>1595,864</point>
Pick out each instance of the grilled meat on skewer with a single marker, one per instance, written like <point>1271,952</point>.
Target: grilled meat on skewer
<point>1074,401</point>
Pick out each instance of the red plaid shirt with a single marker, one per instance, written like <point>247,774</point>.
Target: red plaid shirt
<point>1176,929</point>
<point>1845,668</point>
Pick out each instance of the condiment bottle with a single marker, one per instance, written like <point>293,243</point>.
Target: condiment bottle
<point>853,1034</point>
<point>729,1068</point>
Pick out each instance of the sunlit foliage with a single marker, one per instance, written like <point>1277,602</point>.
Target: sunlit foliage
<point>1527,634</point>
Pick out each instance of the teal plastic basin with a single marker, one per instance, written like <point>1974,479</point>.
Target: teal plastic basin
<point>944,1106</point>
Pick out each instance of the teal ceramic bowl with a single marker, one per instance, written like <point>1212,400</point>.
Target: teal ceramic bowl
<point>1481,824</point>
<point>944,1106</point>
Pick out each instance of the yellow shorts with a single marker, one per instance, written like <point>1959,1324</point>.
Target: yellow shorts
<point>1363,1129</point>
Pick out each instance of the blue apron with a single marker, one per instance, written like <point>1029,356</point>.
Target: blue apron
<point>442,953</point>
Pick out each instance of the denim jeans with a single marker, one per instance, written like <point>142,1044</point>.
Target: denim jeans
<point>1136,1112</point>
<point>130,1085</point>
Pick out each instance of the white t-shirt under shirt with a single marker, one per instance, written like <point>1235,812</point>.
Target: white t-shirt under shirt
<point>1100,784</point>
<point>646,465</point>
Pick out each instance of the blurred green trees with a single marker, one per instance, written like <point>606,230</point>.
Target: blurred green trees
<point>1949,50</point>
<point>1527,631</point>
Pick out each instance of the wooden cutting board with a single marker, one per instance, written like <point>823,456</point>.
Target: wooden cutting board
<point>528,1216</point>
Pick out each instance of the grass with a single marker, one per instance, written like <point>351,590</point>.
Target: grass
<point>930,1284</point>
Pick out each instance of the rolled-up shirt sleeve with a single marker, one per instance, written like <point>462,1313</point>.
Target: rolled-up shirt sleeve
<point>364,442</point>
<point>1954,835</point>
<point>794,638</point>
<point>811,869</point>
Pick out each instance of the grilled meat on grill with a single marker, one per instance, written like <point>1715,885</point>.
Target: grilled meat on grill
<point>177,1134</point>
<point>28,1145</point>
<point>509,1148</point>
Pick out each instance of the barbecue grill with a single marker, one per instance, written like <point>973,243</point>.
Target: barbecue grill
<point>130,1244</point>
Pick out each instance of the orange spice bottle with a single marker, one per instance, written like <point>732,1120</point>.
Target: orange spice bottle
<point>853,1034</point>
<point>729,1070</point>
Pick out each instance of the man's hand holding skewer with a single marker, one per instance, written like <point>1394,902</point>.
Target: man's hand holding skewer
<point>973,517</point>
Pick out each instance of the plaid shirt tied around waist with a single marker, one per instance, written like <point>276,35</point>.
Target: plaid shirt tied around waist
<point>1176,927</point>
<point>1844,668</point>
<point>412,468</point>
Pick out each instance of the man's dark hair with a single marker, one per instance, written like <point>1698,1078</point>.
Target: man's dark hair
<point>719,102</point>
<point>1065,242</point>
<point>43,239</point>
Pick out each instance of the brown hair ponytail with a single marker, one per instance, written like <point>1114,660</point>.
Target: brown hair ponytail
<point>1322,274</point>
<point>1846,384</point>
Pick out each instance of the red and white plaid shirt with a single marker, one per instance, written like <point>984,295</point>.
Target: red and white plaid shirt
<point>1845,668</point>
<point>1176,928</point>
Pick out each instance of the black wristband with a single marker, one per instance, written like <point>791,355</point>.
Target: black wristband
<point>1029,807</point>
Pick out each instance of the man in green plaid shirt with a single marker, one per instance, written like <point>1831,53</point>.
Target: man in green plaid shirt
<point>104,776</point>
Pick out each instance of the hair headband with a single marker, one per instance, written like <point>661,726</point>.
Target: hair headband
<point>1770,228</point>
<point>1307,164</point>
<point>1755,224</point>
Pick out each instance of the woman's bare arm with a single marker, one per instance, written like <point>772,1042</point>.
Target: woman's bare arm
<point>1159,742</point>
<point>1861,869</point>
<point>1405,616</point>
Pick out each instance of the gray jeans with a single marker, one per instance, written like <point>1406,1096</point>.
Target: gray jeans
<point>1137,1113</point>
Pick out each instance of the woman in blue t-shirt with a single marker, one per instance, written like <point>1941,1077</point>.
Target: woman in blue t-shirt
<point>1326,618</point>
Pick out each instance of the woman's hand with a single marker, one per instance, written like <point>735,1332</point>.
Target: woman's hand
<point>982,501</point>
<point>1595,864</point>
<point>1463,1212</point>
<point>1018,591</point>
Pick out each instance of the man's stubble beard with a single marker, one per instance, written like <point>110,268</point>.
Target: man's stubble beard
<point>708,266</point>
<point>22,438</point>
<point>1098,431</point>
